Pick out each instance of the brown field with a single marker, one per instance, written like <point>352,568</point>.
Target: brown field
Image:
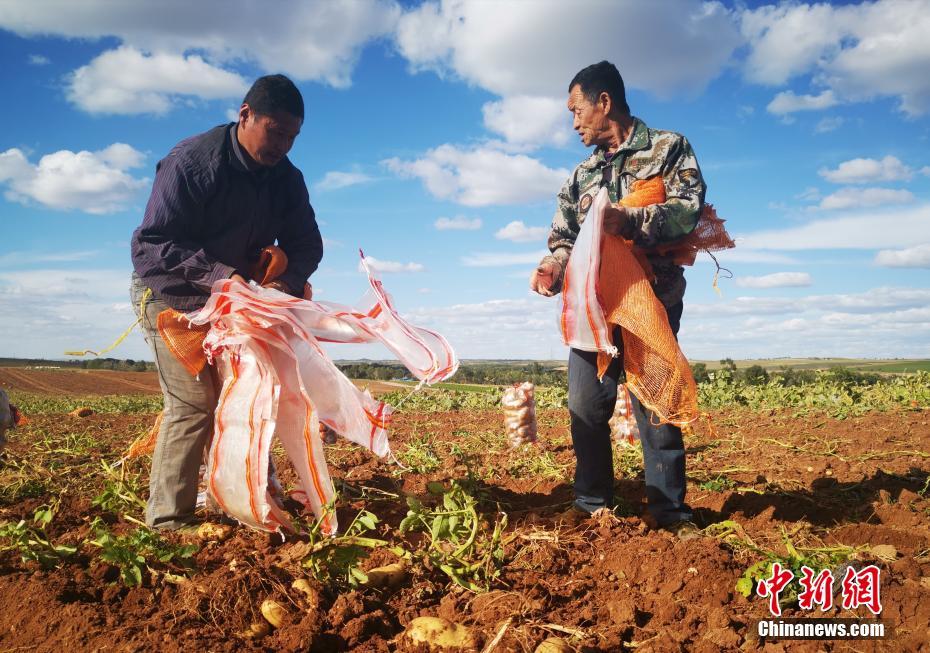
<point>811,483</point>
<point>107,382</point>
<point>78,382</point>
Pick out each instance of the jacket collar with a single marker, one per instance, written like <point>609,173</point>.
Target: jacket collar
<point>242,162</point>
<point>637,140</point>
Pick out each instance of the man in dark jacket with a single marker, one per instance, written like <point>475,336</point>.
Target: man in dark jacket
<point>217,200</point>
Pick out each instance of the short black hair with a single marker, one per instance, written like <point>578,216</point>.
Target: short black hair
<point>273,93</point>
<point>601,77</point>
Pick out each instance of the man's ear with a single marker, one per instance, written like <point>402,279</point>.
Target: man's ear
<point>244,112</point>
<point>604,103</point>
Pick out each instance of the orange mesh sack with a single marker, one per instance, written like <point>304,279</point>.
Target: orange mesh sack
<point>145,443</point>
<point>183,339</point>
<point>657,371</point>
<point>708,236</point>
<point>608,283</point>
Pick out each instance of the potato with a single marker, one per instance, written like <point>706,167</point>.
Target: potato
<point>554,645</point>
<point>256,631</point>
<point>439,633</point>
<point>214,532</point>
<point>388,576</point>
<point>274,612</point>
<point>311,596</point>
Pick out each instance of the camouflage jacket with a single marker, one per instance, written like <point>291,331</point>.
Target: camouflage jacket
<point>646,153</point>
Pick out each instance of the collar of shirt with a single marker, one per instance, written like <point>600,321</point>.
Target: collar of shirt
<point>245,163</point>
<point>637,140</point>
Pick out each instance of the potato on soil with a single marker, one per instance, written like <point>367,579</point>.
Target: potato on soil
<point>554,645</point>
<point>214,532</point>
<point>274,612</point>
<point>311,595</point>
<point>437,632</point>
<point>256,631</point>
<point>390,575</point>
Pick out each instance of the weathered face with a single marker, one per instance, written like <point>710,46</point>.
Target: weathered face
<point>590,119</point>
<point>267,138</point>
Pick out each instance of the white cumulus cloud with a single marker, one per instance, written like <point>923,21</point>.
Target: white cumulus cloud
<point>858,52</point>
<point>535,48</point>
<point>128,81</point>
<point>826,125</point>
<point>528,120</point>
<point>909,257</point>
<point>873,229</point>
<point>787,102</point>
<point>518,232</point>
<point>481,176</point>
<point>776,280</point>
<point>851,198</point>
<point>865,171</point>
<point>318,41</point>
<point>502,259</point>
<point>458,223</point>
<point>335,179</point>
<point>879,322</point>
<point>93,182</point>
<point>65,309</point>
<point>390,266</point>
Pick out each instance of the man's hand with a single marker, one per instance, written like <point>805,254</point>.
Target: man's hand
<point>308,291</point>
<point>239,278</point>
<point>617,221</point>
<point>544,278</point>
<point>281,286</point>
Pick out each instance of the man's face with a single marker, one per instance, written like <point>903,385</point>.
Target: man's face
<point>267,138</point>
<point>590,120</point>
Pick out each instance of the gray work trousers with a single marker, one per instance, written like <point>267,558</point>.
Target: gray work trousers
<point>186,426</point>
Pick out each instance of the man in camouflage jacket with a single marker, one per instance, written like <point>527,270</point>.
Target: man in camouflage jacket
<point>625,150</point>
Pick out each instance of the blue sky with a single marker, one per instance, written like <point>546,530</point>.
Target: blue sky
<point>436,138</point>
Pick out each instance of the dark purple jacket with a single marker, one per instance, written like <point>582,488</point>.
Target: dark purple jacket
<point>209,216</point>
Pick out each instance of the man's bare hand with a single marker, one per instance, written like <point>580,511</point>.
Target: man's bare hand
<point>617,221</point>
<point>280,286</point>
<point>239,278</point>
<point>308,291</point>
<point>544,278</point>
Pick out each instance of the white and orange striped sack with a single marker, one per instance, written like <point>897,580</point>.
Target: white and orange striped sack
<point>608,283</point>
<point>278,382</point>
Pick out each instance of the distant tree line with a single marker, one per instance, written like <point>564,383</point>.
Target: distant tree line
<point>125,365</point>
<point>481,373</point>
<point>758,375</point>
<point>374,371</point>
<point>122,365</point>
<point>551,375</point>
<point>498,374</point>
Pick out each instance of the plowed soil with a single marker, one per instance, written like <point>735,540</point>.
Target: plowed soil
<point>605,584</point>
<point>108,382</point>
<point>77,382</point>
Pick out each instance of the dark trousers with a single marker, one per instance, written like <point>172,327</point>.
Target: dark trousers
<point>591,404</point>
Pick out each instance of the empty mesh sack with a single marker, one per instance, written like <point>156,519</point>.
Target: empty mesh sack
<point>279,383</point>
